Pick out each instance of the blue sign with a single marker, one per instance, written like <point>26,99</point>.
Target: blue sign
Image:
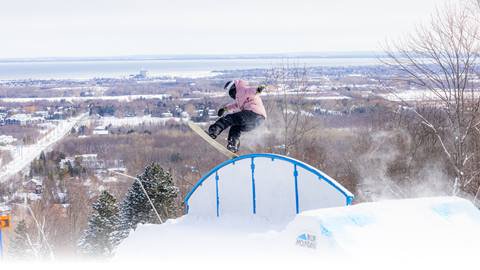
<point>1,245</point>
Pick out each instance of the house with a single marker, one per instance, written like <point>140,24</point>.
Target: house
<point>141,75</point>
<point>23,119</point>
<point>63,164</point>
<point>5,210</point>
<point>100,130</point>
<point>26,196</point>
<point>33,185</point>
<point>44,114</point>
<point>7,139</point>
<point>90,161</point>
<point>88,93</point>
<point>2,118</point>
<point>212,112</point>
<point>166,115</point>
<point>113,171</point>
<point>58,115</point>
<point>116,165</point>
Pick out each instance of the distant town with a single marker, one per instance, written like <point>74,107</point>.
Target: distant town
<point>64,141</point>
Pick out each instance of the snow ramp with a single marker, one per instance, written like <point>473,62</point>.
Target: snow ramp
<point>268,186</point>
<point>442,231</point>
<point>274,208</point>
<point>440,224</point>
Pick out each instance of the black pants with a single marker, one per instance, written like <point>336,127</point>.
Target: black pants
<point>238,122</point>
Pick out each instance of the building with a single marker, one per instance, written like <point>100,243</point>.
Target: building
<point>58,115</point>
<point>44,114</point>
<point>88,93</point>
<point>23,119</point>
<point>141,75</point>
<point>166,115</point>
<point>2,118</point>
<point>90,161</point>
<point>7,139</point>
<point>100,130</point>
<point>33,186</point>
<point>64,162</point>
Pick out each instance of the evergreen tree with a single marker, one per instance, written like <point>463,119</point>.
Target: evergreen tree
<point>135,207</point>
<point>20,248</point>
<point>42,157</point>
<point>99,237</point>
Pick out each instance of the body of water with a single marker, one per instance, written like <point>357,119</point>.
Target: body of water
<point>182,67</point>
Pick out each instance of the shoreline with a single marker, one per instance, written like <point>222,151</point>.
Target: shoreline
<point>181,68</point>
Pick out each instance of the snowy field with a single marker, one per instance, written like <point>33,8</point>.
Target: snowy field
<point>339,97</point>
<point>186,74</point>
<point>415,95</point>
<point>137,120</point>
<point>310,95</point>
<point>23,156</point>
<point>125,98</point>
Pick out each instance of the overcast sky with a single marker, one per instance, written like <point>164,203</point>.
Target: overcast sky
<point>41,28</point>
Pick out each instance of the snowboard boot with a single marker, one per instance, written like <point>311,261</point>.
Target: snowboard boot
<point>233,145</point>
<point>213,131</point>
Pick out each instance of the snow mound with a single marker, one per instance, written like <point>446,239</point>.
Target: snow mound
<point>407,227</point>
<point>440,231</point>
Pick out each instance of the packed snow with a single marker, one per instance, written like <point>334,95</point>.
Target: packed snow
<point>441,231</point>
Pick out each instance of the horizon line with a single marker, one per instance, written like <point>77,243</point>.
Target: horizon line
<point>199,56</point>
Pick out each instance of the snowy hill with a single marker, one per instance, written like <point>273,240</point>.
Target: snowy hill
<point>441,231</point>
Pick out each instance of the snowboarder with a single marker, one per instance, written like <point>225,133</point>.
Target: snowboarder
<point>245,114</point>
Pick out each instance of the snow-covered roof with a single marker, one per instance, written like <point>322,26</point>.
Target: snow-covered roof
<point>86,156</point>
<point>31,196</point>
<point>7,139</point>
<point>100,132</point>
<point>24,117</point>
<point>4,208</point>
<point>36,181</point>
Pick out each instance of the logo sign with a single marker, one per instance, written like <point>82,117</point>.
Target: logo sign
<point>4,222</point>
<point>307,240</point>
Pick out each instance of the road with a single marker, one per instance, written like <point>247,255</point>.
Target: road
<point>26,154</point>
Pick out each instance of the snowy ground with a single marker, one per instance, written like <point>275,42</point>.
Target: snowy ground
<point>415,95</point>
<point>23,156</point>
<point>425,233</point>
<point>428,232</point>
<point>125,98</point>
<point>137,120</point>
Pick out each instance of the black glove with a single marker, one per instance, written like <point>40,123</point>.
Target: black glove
<point>260,89</point>
<point>220,112</point>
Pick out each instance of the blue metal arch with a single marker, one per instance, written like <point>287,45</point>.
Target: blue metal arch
<point>321,175</point>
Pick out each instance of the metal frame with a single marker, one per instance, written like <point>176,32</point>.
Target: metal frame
<point>321,176</point>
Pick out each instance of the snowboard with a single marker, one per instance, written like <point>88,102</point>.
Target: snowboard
<point>204,135</point>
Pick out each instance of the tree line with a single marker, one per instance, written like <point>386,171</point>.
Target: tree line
<point>111,221</point>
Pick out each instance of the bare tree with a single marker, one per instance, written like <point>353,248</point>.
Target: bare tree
<point>296,121</point>
<point>441,57</point>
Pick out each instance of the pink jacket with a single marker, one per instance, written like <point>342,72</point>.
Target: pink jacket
<point>246,98</point>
